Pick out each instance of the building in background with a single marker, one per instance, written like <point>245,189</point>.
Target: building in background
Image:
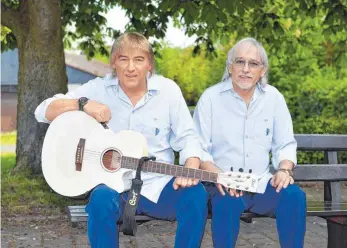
<point>79,71</point>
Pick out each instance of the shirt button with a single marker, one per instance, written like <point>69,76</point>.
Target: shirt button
<point>246,136</point>
<point>247,156</point>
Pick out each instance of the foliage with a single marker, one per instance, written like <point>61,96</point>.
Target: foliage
<point>192,73</point>
<point>25,193</point>
<point>271,21</point>
<point>302,38</point>
<point>318,106</point>
<point>316,95</point>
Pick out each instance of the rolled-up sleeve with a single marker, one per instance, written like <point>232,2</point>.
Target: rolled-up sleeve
<point>283,143</point>
<point>40,112</point>
<point>184,138</point>
<point>84,90</point>
<point>203,125</point>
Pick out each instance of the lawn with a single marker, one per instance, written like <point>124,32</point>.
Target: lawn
<point>23,193</point>
<point>8,138</point>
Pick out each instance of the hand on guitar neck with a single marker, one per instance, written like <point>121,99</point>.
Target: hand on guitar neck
<point>209,166</point>
<point>183,182</point>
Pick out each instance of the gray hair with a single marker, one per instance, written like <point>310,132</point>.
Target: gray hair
<point>136,41</point>
<point>232,54</point>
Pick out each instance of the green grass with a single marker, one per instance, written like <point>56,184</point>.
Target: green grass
<point>8,138</point>
<point>24,193</point>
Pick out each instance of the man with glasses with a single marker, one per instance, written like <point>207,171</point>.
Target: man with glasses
<point>240,120</point>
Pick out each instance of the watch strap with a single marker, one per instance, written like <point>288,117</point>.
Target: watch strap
<point>288,171</point>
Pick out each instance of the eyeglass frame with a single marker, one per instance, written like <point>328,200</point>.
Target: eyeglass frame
<point>248,63</point>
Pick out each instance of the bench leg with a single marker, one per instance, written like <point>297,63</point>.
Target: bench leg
<point>247,219</point>
<point>337,234</point>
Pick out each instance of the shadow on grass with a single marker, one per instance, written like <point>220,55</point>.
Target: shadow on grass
<point>23,193</point>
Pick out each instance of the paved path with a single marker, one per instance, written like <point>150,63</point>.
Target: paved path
<point>55,231</point>
<point>8,148</point>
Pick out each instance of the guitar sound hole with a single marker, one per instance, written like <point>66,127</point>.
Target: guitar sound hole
<point>111,160</point>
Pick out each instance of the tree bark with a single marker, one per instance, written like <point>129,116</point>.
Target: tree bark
<point>41,74</point>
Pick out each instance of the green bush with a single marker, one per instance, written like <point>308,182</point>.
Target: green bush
<point>318,105</point>
<point>192,73</point>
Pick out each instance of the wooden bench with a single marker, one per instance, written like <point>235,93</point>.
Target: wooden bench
<point>333,209</point>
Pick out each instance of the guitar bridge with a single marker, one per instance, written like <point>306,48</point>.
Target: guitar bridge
<point>79,154</point>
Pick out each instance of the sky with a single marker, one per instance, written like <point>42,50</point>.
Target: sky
<point>174,36</point>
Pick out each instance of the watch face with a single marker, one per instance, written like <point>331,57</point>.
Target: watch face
<point>81,102</point>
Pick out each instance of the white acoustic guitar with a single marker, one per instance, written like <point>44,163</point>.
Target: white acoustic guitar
<point>79,153</point>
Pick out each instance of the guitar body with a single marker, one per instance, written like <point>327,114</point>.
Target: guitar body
<point>60,147</point>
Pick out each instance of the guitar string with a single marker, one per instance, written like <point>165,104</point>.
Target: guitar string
<point>96,159</point>
<point>96,156</point>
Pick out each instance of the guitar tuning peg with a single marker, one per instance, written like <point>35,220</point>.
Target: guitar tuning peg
<point>250,170</point>
<point>240,170</point>
<point>231,169</point>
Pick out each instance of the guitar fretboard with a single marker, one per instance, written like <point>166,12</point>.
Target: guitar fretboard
<point>169,169</point>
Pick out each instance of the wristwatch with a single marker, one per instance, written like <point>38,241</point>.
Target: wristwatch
<point>288,171</point>
<point>82,102</point>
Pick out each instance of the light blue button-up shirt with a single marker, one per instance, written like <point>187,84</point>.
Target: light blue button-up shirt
<point>162,116</point>
<point>236,137</point>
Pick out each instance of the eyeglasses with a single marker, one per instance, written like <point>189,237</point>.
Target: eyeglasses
<point>241,63</point>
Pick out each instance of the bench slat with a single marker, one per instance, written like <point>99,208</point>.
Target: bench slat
<point>321,142</point>
<point>321,209</point>
<point>321,172</point>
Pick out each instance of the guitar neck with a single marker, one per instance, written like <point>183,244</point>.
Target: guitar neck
<point>169,169</point>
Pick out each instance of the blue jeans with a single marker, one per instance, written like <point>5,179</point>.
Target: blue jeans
<point>188,206</point>
<point>289,207</point>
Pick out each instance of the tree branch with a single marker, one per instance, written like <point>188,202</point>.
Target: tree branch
<point>10,18</point>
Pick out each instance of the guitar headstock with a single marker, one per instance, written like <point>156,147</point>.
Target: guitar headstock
<point>239,180</point>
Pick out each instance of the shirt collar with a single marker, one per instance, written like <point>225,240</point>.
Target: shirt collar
<point>262,87</point>
<point>227,85</point>
<point>111,80</point>
<point>153,84</point>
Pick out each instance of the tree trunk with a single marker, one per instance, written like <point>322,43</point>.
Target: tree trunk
<point>41,74</point>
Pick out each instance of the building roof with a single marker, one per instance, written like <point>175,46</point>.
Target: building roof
<point>93,68</point>
<point>81,63</point>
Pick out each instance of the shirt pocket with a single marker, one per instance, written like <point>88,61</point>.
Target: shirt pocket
<point>263,132</point>
<point>155,129</point>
